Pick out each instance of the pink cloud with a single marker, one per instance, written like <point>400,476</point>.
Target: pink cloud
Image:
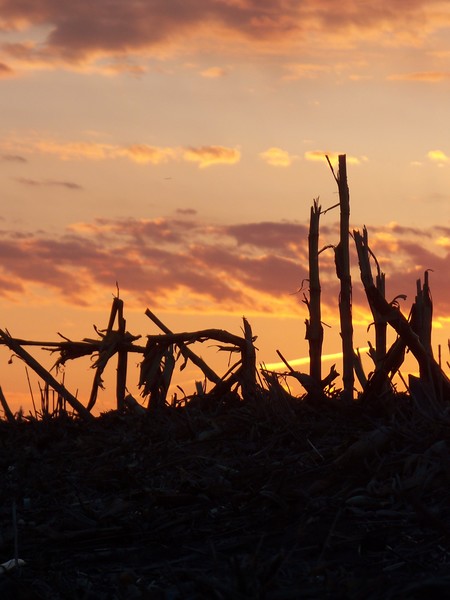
<point>184,264</point>
<point>5,71</point>
<point>286,238</point>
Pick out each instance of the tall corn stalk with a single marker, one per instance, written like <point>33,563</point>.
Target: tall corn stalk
<point>314,328</point>
<point>342,261</point>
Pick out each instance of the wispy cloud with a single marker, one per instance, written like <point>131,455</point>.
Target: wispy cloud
<point>13,158</point>
<point>304,71</point>
<point>70,185</point>
<point>187,212</point>
<point>144,154</point>
<point>422,76</point>
<point>214,72</point>
<point>139,153</point>
<point>204,156</point>
<point>276,157</point>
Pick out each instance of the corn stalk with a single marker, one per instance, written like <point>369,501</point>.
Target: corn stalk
<point>342,261</point>
<point>314,328</point>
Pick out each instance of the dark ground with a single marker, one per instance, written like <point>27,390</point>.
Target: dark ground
<point>265,499</point>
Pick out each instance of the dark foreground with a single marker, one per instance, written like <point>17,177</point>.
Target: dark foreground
<point>268,499</point>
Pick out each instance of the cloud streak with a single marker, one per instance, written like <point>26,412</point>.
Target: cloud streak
<point>422,76</point>
<point>70,185</point>
<point>304,71</point>
<point>13,158</point>
<point>214,73</point>
<point>203,156</point>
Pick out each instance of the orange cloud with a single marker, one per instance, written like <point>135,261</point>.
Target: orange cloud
<point>304,71</point>
<point>214,72</point>
<point>75,150</point>
<point>143,154</point>
<point>426,76</point>
<point>206,156</point>
<point>276,157</point>
<point>139,153</point>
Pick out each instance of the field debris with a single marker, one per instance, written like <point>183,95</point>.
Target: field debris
<point>259,498</point>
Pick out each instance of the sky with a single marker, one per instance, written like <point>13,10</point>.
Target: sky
<point>174,149</point>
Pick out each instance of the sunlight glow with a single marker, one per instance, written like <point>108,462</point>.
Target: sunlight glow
<point>305,360</point>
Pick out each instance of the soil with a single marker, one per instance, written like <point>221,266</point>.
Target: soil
<point>269,498</point>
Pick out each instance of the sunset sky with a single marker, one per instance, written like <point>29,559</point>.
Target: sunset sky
<point>176,148</point>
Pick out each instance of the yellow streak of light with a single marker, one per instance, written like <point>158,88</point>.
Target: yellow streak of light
<point>305,360</point>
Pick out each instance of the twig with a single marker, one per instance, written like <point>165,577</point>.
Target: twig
<point>45,375</point>
<point>185,351</point>
<point>6,409</point>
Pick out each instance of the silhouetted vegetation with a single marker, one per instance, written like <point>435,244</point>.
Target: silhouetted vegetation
<point>162,352</point>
